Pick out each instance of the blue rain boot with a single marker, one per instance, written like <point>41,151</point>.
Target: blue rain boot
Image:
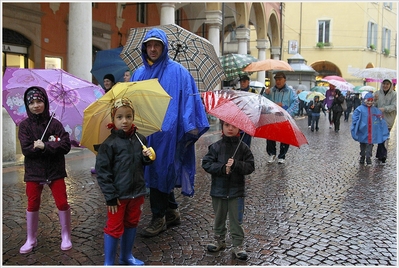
<point>127,241</point>
<point>110,245</point>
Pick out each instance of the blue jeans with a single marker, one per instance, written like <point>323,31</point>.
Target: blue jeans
<point>315,119</point>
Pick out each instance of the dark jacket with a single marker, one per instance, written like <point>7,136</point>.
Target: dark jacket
<point>214,162</point>
<point>317,107</point>
<point>120,166</point>
<point>338,100</point>
<point>48,164</point>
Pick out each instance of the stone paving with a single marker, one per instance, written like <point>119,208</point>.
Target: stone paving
<point>320,208</point>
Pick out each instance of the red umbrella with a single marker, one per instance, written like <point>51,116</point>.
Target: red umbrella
<point>255,115</point>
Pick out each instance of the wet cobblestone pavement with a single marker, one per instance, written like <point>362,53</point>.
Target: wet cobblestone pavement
<point>320,208</point>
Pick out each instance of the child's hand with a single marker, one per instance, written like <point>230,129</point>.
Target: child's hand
<point>229,164</point>
<point>38,144</point>
<point>147,152</point>
<point>114,209</point>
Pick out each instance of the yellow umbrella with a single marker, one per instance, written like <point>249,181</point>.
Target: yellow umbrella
<point>150,102</point>
<point>313,94</point>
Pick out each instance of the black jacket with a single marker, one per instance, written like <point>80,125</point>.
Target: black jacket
<point>214,162</point>
<point>48,164</point>
<point>120,166</point>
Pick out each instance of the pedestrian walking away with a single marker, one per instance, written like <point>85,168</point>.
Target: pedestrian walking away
<point>385,100</point>
<point>368,127</point>
<point>285,97</point>
<point>44,144</point>
<point>119,164</point>
<point>184,123</point>
<point>228,187</point>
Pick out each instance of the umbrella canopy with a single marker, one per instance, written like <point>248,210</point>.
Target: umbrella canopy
<point>195,53</point>
<point>109,62</point>
<point>233,64</point>
<point>268,65</point>
<point>333,77</point>
<point>256,84</point>
<point>319,89</point>
<point>302,95</point>
<point>150,102</point>
<point>255,115</point>
<point>68,96</point>
<point>376,73</point>
<point>313,94</point>
<point>343,86</point>
<point>367,89</point>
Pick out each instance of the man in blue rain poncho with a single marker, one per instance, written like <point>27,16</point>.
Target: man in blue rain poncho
<point>184,123</point>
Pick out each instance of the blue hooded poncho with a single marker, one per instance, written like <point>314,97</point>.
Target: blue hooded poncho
<point>184,123</point>
<point>368,124</point>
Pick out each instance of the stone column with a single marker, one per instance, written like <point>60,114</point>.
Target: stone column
<point>242,35</point>
<point>214,20</point>
<point>167,13</point>
<point>80,35</point>
<point>9,138</point>
<point>262,45</point>
<point>275,53</point>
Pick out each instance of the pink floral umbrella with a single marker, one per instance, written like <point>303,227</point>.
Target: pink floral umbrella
<point>68,96</point>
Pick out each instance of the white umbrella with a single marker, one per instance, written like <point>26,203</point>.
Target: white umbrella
<point>343,86</point>
<point>376,73</point>
<point>256,84</point>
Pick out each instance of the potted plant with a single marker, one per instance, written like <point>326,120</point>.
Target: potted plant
<point>320,44</point>
<point>386,51</point>
<point>372,47</point>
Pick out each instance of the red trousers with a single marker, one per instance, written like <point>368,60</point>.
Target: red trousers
<point>128,216</point>
<point>58,190</point>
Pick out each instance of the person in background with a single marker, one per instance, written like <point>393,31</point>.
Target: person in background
<point>285,97</point>
<point>119,164</point>
<point>385,100</point>
<point>337,109</point>
<point>184,123</point>
<point>44,144</point>
<point>316,107</point>
<point>109,82</point>
<point>368,128</point>
<point>244,86</point>
<point>349,103</point>
<point>228,187</point>
<point>328,101</point>
<point>356,101</point>
<point>127,75</point>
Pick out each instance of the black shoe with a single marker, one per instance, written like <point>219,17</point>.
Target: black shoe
<point>361,161</point>
<point>383,160</point>
<point>312,129</point>
<point>368,161</point>
<point>317,129</point>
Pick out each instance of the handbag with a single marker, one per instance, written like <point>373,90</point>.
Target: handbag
<point>344,106</point>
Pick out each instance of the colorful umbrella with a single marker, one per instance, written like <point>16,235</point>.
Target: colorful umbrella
<point>233,64</point>
<point>150,102</point>
<point>313,94</point>
<point>68,95</point>
<point>376,73</point>
<point>343,86</point>
<point>302,95</point>
<point>195,53</point>
<point>319,89</point>
<point>109,62</point>
<point>367,89</point>
<point>333,77</point>
<point>268,65</point>
<point>255,115</point>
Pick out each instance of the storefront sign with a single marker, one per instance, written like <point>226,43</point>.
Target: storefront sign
<point>15,49</point>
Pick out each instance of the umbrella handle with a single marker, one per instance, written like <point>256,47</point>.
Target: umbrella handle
<point>45,130</point>
<point>153,155</point>
<point>238,145</point>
